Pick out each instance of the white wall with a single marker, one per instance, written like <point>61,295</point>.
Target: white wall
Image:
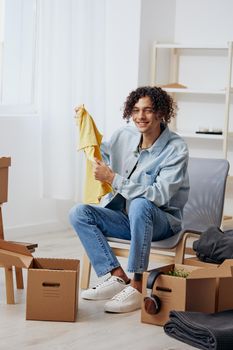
<point>122,57</point>
<point>131,28</point>
<point>204,21</point>
<point>20,139</point>
<point>157,24</point>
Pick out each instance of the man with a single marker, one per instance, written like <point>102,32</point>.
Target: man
<point>147,169</point>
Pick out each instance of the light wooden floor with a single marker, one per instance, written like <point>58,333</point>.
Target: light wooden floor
<point>93,329</point>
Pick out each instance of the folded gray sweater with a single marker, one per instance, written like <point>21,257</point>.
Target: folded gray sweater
<point>203,331</point>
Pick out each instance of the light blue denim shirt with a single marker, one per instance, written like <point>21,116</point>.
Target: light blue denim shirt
<point>160,174</point>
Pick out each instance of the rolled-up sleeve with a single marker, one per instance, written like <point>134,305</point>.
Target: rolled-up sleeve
<point>105,152</point>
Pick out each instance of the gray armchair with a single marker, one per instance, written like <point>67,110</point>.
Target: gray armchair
<point>203,209</point>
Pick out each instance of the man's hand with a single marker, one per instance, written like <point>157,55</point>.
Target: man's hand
<point>102,172</point>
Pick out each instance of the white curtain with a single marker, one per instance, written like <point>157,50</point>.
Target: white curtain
<point>72,72</point>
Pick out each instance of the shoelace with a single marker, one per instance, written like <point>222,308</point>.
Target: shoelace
<point>124,294</point>
<point>101,284</point>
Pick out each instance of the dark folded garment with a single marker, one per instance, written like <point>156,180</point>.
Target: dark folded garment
<point>203,331</point>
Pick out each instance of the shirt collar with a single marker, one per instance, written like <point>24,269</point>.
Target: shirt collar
<point>158,145</point>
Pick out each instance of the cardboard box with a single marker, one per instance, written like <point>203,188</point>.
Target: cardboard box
<point>5,162</point>
<point>204,290</point>
<point>52,287</point>
<point>224,286</point>
<point>194,261</point>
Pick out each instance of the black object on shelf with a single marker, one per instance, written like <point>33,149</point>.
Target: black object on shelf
<point>209,132</point>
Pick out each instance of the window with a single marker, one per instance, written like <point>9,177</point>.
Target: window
<point>18,56</point>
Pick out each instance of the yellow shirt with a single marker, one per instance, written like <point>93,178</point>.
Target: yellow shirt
<point>89,141</point>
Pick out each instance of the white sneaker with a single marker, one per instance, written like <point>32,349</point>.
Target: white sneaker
<point>129,299</point>
<point>104,290</point>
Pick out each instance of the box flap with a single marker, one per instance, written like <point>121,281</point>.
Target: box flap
<point>181,267</point>
<point>5,162</point>
<point>12,254</point>
<point>14,247</point>
<point>221,271</point>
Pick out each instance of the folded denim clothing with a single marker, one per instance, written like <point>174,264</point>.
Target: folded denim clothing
<point>203,331</point>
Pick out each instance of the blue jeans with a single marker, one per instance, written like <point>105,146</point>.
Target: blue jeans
<point>144,223</point>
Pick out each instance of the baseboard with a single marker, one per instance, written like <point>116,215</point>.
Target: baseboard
<point>20,232</point>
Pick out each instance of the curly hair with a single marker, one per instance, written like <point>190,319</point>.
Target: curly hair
<point>162,104</point>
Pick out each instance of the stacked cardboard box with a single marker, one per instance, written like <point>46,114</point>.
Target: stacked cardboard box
<point>5,162</point>
<point>204,289</point>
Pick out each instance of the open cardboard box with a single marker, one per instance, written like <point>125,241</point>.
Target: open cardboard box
<point>5,162</point>
<point>205,290</point>
<point>52,287</point>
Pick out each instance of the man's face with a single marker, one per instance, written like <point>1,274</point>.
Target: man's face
<point>144,118</point>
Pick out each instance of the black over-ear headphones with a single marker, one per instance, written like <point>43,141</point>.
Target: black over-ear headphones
<point>152,303</point>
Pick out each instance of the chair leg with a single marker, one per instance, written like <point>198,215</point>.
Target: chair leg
<point>86,272</point>
<point>19,277</point>
<point>180,250</point>
<point>10,299</point>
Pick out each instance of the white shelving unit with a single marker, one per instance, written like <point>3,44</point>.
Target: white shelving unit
<point>174,67</point>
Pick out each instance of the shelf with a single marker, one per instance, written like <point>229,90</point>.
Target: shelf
<point>209,92</point>
<point>195,91</point>
<point>190,134</point>
<point>188,46</point>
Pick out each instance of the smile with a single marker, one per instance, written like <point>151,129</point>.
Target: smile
<point>142,123</point>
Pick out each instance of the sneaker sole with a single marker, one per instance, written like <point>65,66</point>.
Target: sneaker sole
<point>112,311</point>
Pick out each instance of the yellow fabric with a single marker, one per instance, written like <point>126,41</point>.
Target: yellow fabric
<point>89,141</point>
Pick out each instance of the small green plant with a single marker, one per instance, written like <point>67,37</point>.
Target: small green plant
<point>178,273</point>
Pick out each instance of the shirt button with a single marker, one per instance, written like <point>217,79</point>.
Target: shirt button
<point>126,171</point>
<point>116,188</point>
